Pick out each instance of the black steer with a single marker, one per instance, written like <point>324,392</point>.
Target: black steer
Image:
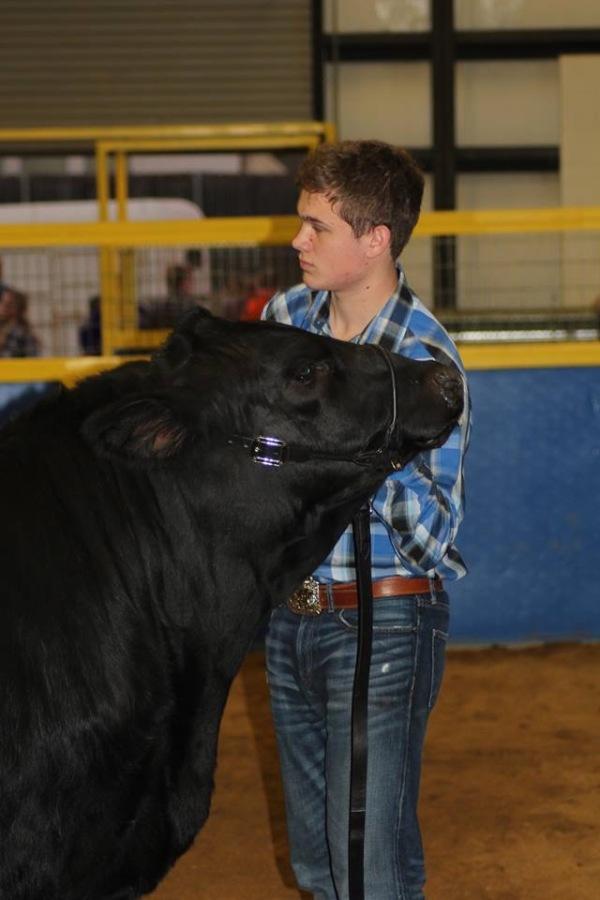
<point>141,546</point>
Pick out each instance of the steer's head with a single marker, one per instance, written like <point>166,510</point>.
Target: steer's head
<point>336,409</point>
<point>311,392</point>
<point>215,382</point>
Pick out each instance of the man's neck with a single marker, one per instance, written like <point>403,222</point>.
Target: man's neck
<point>352,309</point>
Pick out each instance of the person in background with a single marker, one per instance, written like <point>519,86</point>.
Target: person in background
<point>254,304</point>
<point>180,284</point>
<point>180,298</point>
<point>17,338</point>
<point>90,331</point>
<point>359,202</point>
<point>3,284</point>
<point>180,291</point>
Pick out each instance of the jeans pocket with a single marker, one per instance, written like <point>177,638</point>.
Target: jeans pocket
<point>391,615</point>
<point>438,660</point>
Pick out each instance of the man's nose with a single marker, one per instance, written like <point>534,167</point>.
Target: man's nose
<point>301,239</point>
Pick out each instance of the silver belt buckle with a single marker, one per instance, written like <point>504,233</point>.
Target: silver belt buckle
<point>305,600</point>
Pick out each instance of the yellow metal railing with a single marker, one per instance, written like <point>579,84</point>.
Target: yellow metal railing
<point>279,230</point>
<point>235,131</point>
<point>234,231</point>
<point>113,146</point>
<point>121,237</point>
<point>69,370</point>
<point>124,140</point>
<point>236,138</point>
<point>509,221</point>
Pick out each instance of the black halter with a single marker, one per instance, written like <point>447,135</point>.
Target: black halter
<point>268,450</point>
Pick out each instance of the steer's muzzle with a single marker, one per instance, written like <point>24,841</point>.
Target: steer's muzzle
<point>449,384</point>
<point>429,411</point>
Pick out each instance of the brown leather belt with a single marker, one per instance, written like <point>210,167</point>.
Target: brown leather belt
<point>312,597</point>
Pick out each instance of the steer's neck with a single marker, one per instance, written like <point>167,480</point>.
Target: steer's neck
<point>274,526</point>
<point>293,545</point>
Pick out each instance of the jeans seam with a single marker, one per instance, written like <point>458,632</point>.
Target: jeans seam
<point>400,884</point>
<point>377,629</point>
<point>305,650</point>
<point>436,634</point>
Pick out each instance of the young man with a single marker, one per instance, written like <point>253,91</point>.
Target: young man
<point>359,202</point>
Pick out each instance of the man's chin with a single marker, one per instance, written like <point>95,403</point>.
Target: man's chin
<point>311,279</point>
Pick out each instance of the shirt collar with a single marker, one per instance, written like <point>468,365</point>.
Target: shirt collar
<point>396,309</point>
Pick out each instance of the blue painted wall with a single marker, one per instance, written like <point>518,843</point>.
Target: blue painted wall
<point>531,534</point>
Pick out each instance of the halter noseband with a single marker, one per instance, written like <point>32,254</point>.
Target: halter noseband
<point>272,451</point>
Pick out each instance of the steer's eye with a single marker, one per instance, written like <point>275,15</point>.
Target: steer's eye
<point>305,373</point>
<point>310,370</point>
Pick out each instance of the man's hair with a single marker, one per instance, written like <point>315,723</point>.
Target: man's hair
<point>370,182</point>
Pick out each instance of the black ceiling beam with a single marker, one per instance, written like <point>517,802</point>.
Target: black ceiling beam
<point>376,47</point>
<point>442,102</point>
<point>546,43</point>
<point>507,159</point>
<point>495,159</point>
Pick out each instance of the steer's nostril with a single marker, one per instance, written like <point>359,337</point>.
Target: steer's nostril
<point>446,377</point>
<point>449,383</point>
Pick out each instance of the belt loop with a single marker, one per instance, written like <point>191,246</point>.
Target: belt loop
<point>330,600</point>
<point>432,591</point>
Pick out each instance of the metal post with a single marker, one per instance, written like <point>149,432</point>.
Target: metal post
<point>126,319</point>
<point>318,74</point>
<point>106,255</point>
<point>444,167</point>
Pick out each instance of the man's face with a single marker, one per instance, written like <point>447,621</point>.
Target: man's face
<point>330,256</point>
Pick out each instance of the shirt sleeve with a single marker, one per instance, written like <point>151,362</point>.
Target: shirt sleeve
<point>276,309</point>
<point>422,505</point>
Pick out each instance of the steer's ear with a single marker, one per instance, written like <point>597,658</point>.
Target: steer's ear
<point>177,348</point>
<point>174,353</point>
<point>146,428</point>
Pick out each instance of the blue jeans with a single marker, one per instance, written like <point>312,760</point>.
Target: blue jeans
<point>310,668</point>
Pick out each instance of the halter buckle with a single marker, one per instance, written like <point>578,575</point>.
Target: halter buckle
<point>268,451</point>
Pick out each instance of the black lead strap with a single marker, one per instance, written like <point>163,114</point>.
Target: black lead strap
<point>361,527</point>
<point>358,754</point>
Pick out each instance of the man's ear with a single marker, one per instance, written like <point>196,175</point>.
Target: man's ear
<point>379,239</point>
<point>136,429</point>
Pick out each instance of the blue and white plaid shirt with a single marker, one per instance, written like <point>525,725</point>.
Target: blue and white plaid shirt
<point>416,512</point>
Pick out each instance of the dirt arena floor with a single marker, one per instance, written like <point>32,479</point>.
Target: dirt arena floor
<point>510,797</point>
